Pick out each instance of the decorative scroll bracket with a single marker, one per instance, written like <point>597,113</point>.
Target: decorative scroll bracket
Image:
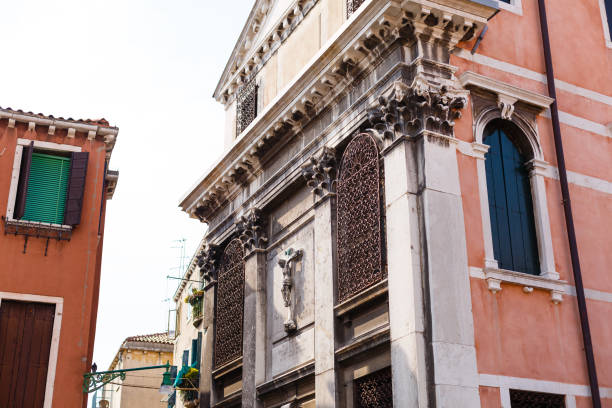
<point>287,289</point>
<point>208,262</point>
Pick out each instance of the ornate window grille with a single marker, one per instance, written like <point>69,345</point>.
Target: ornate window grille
<point>230,304</point>
<point>352,6</point>
<point>359,218</point>
<point>374,390</point>
<point>528,399</point>
<point>246,109</point>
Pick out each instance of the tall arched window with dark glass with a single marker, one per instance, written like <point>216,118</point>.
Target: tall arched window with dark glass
<point>510,203</point>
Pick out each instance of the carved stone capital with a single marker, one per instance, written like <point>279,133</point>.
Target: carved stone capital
<point>320,172</point>
<point>208,262</point>
<point>411,109</point>
<point>251,231</point>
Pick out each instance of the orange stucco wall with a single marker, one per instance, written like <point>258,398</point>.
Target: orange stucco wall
<point>526,335</point>
<point>71,269</point>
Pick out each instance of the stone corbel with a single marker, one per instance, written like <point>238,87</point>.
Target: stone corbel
<point>208,262</point>
<point>251,231</point>
<point>320,172</point>
<point>287,289</point>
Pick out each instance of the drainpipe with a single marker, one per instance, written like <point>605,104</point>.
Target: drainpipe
<point>567,207</point>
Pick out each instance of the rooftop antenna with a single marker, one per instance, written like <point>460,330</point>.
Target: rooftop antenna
<point>181,245</point>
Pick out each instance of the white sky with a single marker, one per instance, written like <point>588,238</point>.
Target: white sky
<point>150,68</point>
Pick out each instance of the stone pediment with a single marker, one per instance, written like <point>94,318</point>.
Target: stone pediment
<point>268,24</point>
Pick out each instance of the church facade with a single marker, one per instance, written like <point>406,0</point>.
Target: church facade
<point>386,225</point>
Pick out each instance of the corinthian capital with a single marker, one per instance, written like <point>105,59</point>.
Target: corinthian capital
<point>320,172</point>
<point>251,229</point>
<point>410,109</point>
<point>208,262</point>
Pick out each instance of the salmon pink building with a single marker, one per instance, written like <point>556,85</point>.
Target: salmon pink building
<point>54,183</point>
<point>413,209</point>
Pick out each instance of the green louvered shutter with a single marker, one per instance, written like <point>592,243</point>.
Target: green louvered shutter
<point>47,186</point>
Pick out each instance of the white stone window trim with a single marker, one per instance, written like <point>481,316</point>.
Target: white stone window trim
<point>39,145</point>
<point>515,6</point>
<point>604,21</point>
<point>507,97</point>
<point>55,336</point>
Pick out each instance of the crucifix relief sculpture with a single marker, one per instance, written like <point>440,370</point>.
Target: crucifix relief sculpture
<point>287,289</point>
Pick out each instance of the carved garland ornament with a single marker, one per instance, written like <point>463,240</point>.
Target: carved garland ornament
<point>359,218</point>
<point>230,304</point>
<point>420,106</point>
<point>374,390</point>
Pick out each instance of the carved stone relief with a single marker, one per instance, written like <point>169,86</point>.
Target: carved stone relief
<point>287,289</point>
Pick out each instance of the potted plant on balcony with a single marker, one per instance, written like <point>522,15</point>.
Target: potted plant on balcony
<point>188,386</point>
<point>196,301</point>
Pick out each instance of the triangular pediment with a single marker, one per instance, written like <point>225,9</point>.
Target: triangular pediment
<point>261,23</point>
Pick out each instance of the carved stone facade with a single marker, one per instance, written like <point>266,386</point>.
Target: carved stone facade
<point>353,272</point>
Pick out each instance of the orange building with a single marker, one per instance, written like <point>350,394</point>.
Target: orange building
<point>54,183</point>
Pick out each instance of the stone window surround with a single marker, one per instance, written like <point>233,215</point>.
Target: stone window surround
<point>55,336</point>
<point>515,6</point>
<point>604,22</point>
<point>507,97</point>
<point>15,177</point>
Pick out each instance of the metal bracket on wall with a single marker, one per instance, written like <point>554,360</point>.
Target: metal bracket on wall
<point>36,230</point>
<point>95,381</point>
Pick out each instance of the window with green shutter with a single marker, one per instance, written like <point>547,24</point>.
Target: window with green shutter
<point>46,189</point>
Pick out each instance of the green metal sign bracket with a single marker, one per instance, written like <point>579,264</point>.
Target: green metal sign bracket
<point>95,381</point>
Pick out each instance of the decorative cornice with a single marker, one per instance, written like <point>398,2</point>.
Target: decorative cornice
<point>320,172</point>
<point>371,31</point>
<point>92,128</point>
<point>247,58</point>
<point>507,95</point>
<point>251,231</point>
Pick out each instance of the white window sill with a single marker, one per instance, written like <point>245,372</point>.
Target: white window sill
<point>495,277</point>
<point>36,224</point>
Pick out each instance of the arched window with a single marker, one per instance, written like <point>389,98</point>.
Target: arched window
<point>230,304</point>
<point>359,218</point>
<point>513,231</point>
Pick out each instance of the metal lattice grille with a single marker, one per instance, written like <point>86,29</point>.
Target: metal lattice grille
<point>359,221</point>
<point>352,6</point>
<point>230,305</point>
<point>246,109</point>
<point>374,390</point>
<point>528,399</point>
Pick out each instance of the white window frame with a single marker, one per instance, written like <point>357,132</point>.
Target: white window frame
<point>604,21</point>
<point>55,336</point>
<point>507,97</point>
<point>39,145</point>
<point>515,6</point>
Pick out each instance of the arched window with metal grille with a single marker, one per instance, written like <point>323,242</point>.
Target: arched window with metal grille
<point>513,230</point>
<point>230,304</point>
<point>359,241</point>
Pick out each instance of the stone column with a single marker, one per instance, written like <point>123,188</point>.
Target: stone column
<point>208,262</point>
<point>319,173</point>
<point>254,326</point>
<point>407,326</point>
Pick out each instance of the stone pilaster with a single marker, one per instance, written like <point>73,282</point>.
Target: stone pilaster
<point>436,330</point>
<point>406,314</point>
<point>251,228</point>
<point>208,262</point>
<point>320,173</point>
